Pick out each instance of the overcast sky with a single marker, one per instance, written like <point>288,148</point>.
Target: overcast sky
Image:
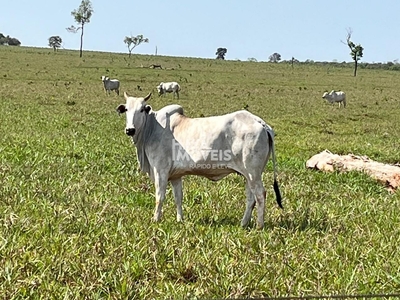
<point>307,29</point>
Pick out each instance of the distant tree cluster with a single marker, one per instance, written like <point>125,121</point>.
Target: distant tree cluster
<point>392,66</point>
<point>275,57</point>
<point>55,42</point>
<point>7,40</point>
<point>221,52</point>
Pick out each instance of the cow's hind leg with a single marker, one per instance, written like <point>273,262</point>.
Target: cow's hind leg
<point>257,188</point>
<point>250,203</point>
<point>178,195</point>
<point>161,187</point>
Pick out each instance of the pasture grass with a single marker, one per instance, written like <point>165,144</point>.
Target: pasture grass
<point>75,212</point>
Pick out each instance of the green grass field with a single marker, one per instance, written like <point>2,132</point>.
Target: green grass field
<point>75,212</point>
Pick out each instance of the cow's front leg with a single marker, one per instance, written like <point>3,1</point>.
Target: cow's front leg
<point>161,187</point>
<point>178,195</point>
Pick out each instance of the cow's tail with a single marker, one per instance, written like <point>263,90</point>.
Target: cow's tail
<point>276,187</point>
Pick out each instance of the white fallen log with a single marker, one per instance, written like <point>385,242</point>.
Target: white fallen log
<point>388,175</point>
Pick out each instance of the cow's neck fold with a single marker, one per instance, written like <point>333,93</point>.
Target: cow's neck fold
<point>142,133</point>
<point>140,139</point>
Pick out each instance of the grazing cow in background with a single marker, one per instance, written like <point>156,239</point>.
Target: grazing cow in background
<point>170,145</point>
<point>168,87</point>
<point>334,96</point>
<point>110,84</point>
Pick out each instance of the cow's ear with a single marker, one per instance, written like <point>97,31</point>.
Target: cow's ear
<point>147,97</point>
<point>121,109</point>
<point>147,109</point>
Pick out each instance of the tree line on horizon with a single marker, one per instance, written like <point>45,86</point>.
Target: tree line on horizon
<point>356,53</point>
<point>84,12</point>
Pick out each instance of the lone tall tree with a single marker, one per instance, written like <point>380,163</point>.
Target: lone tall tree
<point>134,41</point>
<point>356,51</point>
<point>82,16</point>
<point>55,42</point>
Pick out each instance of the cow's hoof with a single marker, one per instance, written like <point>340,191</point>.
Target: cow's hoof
<point>244,224</point>
<point>260,226</point>
<point>156,218</point>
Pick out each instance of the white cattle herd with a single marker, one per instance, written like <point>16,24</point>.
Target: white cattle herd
<point>170,145</point>
<point>163,88</point>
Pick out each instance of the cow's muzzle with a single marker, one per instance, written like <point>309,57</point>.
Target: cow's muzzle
<point>130,131</point>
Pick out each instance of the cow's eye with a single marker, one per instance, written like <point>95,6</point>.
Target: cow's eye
<point>142,110</point>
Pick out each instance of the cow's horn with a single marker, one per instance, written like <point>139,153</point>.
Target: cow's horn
<point>147,97</point>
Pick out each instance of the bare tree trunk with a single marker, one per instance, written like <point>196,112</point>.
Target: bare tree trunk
<point>130,49</point>
<point>355,68</point>
<point>80,50</point>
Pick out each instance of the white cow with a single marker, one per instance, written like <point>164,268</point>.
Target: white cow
<point>110,84</point>
<point>168,87</point>
<point>170,145</point>
<point>334,96</point>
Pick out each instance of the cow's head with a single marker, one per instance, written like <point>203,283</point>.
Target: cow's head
<point>160,89</point>
<point>103,78</point>
<point>324,95</point>
<point>136,110</point>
